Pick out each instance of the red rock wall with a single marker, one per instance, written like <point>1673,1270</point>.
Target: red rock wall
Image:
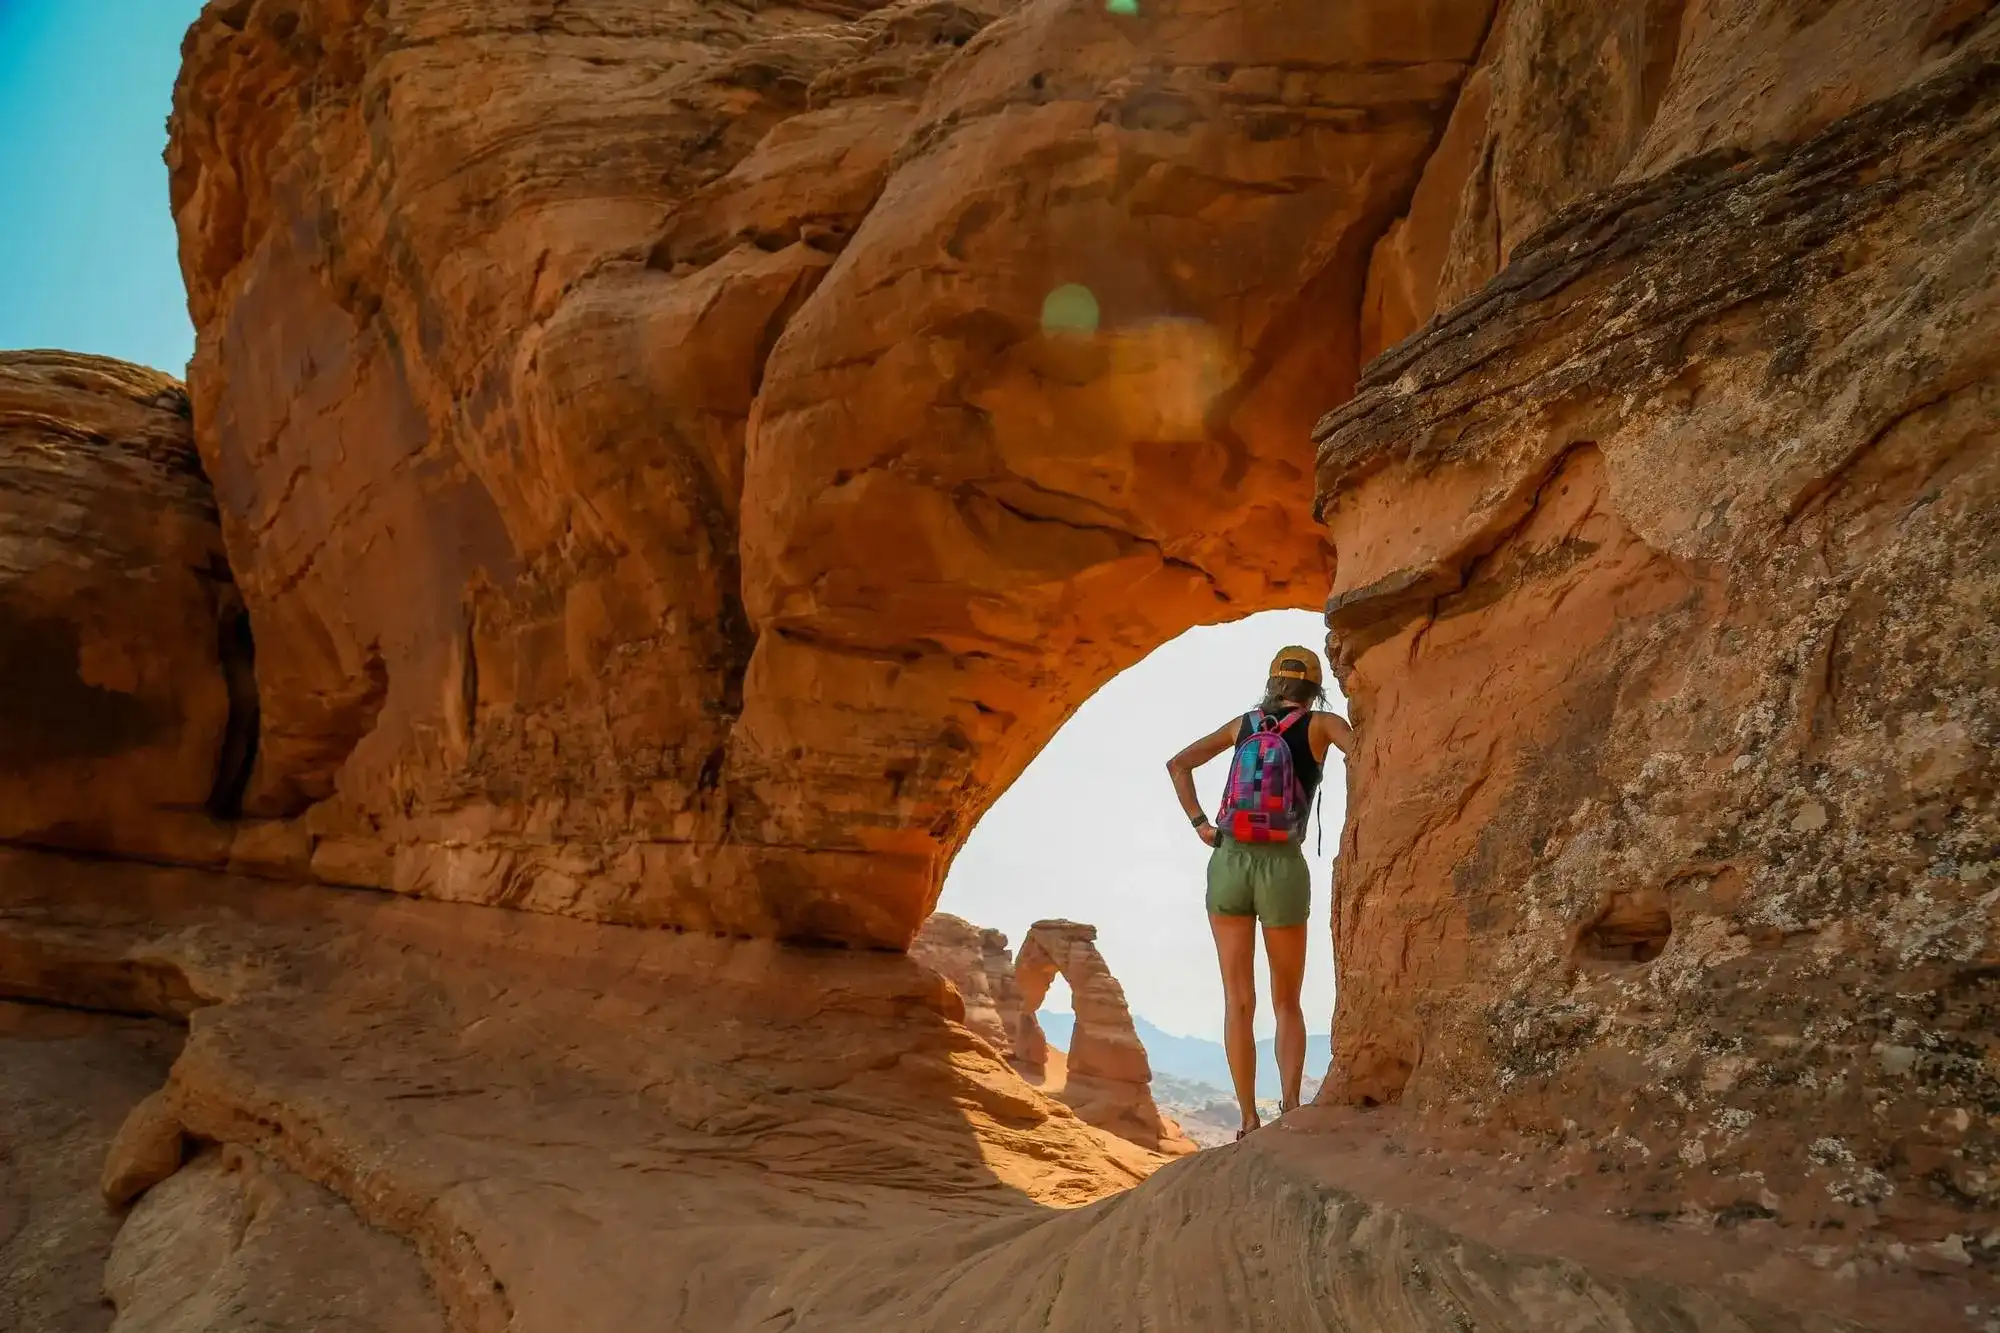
<point>654,491</point>
<point>1665,591</point>
<point>115,701</point>
<point>1571,96</point>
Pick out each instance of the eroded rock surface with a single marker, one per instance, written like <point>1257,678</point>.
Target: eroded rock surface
<point>657,494</point>
<point>1666,601</point>
<point>577,1128</point>
<point>67,1080</point>
<point>1105,1075</point>
<point>146,1150</point>
<point>233,1243</point>
<point>120,630</point>
<point>978,963</point>
<point>681,461</point>
<point>1572,96</point>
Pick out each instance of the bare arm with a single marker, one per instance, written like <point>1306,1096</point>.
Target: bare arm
<point>1331,732</point>
<point>1181,769</point>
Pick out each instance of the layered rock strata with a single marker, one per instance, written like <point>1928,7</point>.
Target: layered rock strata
<point>1666,594</point>
<point>1569,97</point>
<point>977,962</point>
<point>127,714</point>
<point>1106,1077</point>
<point>682,462</point>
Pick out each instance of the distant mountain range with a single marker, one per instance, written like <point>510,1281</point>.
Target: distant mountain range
<point>1198,1059</point>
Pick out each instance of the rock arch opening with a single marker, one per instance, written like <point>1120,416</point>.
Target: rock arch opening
<point>1090,831</point>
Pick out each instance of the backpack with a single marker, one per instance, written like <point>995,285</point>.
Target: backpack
<point>1262,801</point>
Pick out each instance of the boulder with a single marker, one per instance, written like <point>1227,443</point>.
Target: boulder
<point>237,1244</point>
<point>148,1148</point>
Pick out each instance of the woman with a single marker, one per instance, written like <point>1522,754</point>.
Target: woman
<point>1257,873</point>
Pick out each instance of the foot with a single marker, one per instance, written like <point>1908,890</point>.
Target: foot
<point>1254,1124</point>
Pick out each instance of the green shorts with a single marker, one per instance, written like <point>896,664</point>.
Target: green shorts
<point>1266,879</point>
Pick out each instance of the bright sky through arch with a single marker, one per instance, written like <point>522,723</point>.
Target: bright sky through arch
<point>1091,830</point>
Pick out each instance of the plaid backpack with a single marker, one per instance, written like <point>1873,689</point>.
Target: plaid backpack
<point>1262,800</point>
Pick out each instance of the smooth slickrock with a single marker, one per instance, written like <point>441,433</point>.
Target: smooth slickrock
<point>1106,1077</point>
<point>120,630</point>
<point>656,495</point>
<point>586,1129</point>
<point>579,1127</point>
<point>977,962</point>
<point>237,1244</point>
<point>67,1079</point>
<point>1667,593</point>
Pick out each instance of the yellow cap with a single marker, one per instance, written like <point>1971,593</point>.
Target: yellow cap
<point>1296,663</point>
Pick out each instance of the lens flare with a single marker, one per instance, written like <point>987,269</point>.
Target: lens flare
<point>1070,308</point>
<point>1121,6</point>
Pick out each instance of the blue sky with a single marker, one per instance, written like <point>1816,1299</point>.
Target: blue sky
<point>86,238</point>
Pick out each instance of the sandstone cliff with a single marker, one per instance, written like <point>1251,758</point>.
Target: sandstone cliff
<point>1105,1075</point>
<point>1668,571</point>
<point>120,630</point>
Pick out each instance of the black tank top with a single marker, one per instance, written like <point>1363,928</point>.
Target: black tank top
<point>1298,739</point>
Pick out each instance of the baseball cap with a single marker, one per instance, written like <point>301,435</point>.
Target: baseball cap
<point>1296,663</point>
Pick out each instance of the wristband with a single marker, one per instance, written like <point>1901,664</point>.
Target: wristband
<point>1197,821</point>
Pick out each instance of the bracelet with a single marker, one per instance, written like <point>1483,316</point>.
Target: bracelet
<point>1196,821</point>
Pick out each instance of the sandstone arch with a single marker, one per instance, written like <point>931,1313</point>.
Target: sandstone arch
<point>674,531</point>
<point>1663,574</point>
<point>1108,1080</point>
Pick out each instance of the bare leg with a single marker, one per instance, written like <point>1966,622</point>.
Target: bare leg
<point>1236,950</point>
<point>1285,951</point>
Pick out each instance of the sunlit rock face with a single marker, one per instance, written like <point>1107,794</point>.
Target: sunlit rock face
<point>682,462</point>
<point>978,964</point>
<point>1666,598</point>
<point>119,624</point>
<point>1105,1075</point>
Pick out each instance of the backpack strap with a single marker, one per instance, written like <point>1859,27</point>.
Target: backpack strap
<point>1291,719</point>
